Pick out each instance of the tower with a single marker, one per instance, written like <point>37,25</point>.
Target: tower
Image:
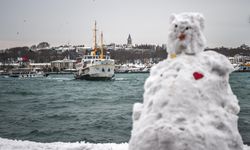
<point>129,41</point>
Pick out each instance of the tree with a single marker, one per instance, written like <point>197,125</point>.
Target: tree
<point>33,47</point>
<point>43,45</point>
<point>244,46</point>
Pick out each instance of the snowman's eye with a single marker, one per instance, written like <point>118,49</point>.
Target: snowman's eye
<point>187,28</point>
<point>176,26</point>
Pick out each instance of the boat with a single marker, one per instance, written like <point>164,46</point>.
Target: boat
<point>237,67</point>
<point>27,73</point>
<point>95,66</point>
<point>244,67</point>
<point>132,68</point>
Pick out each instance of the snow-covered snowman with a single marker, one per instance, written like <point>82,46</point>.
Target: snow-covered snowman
<point>188,103</point>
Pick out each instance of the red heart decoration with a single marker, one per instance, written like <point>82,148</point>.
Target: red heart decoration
<point>198,75</point>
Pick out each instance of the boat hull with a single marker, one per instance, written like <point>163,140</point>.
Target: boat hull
<point>91,78</point>
<point>28,75</point>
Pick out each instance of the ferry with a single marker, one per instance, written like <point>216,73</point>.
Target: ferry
<point>95,66</point>
<point>27,73</point>
<point>244,67</point>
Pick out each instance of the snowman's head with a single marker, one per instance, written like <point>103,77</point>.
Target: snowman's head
<point>185,33</point>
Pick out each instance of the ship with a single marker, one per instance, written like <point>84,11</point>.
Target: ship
<point>95,66</point>
<point>243,67</point>
<point>27,73</point>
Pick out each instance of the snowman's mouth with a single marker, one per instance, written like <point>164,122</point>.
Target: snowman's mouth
<point>181,37</point>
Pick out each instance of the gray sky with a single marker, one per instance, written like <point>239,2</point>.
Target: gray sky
<point>59,22</point>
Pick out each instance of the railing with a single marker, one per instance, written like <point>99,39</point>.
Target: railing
<point>96,57</point>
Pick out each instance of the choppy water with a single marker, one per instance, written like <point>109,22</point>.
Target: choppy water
<point>240,84</point>
<point>59,108</point>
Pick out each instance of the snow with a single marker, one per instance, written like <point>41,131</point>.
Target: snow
<point>188,102</point>
<point>6,144</point>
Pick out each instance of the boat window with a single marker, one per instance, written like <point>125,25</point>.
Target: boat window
<point>109,70</point>
<point>103,70</point>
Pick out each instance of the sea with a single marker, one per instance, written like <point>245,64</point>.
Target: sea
<point>60,108</point>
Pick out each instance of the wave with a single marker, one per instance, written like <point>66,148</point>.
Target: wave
<point>22,93</point>
<point>7,144</point>
<point>60,79</point>
<point>61,116</point>
<point>121,79</point>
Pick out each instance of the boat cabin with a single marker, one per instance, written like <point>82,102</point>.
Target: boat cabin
<point>91,57</point>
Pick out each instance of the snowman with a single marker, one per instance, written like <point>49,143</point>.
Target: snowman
<point>188,103</point>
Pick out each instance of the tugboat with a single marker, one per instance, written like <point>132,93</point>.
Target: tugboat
<point>94,66</point>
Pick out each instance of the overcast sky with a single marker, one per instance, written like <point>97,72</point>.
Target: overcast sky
<point>59,22</point>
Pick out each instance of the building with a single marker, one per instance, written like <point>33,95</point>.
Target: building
<point>83,50</point>
<point>39,65</point>
<point>64,48</point>
<point>111,46</point>
<point>63,65</point>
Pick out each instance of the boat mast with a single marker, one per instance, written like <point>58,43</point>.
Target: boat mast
<point>94,43</point>
<point>101,46</point>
